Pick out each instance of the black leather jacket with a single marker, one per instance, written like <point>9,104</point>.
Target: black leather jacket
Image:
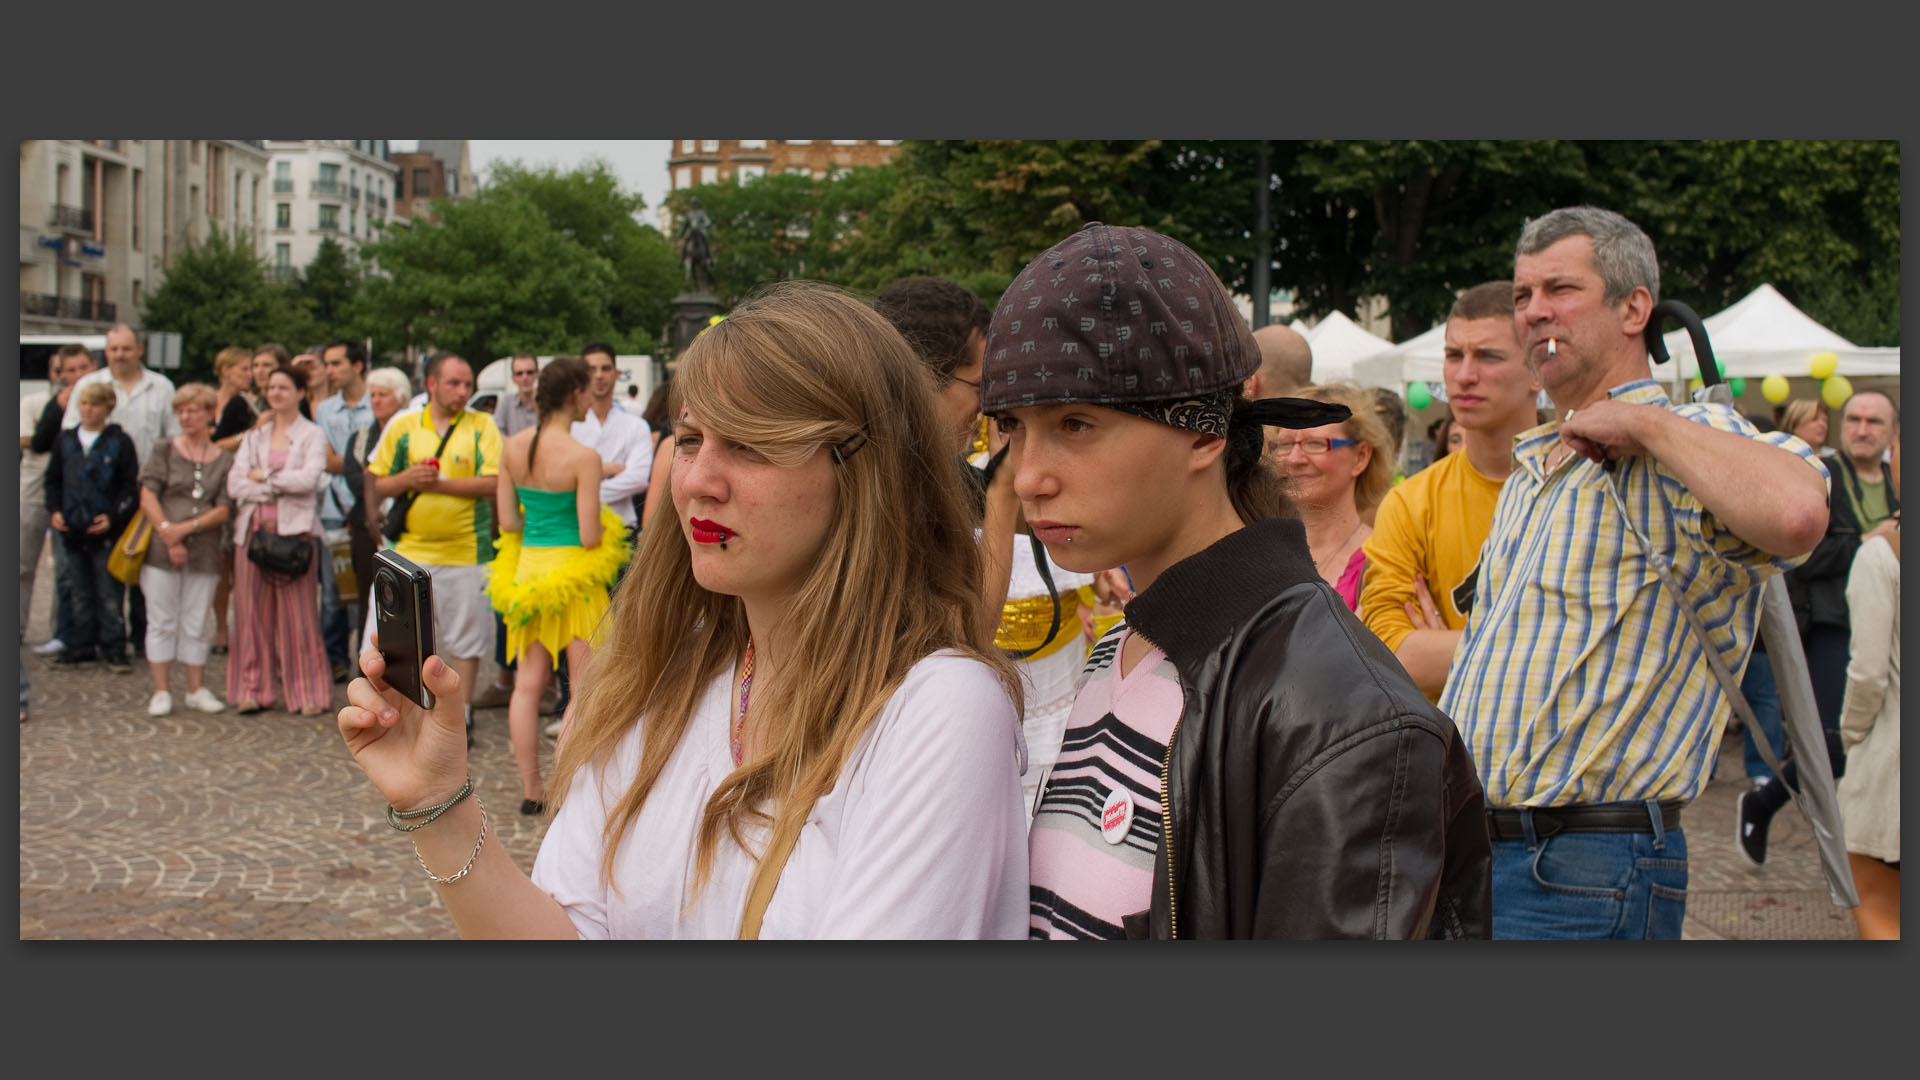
<point>1312,791</point>
<point>1818,586</point>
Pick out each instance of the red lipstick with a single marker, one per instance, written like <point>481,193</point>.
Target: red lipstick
<point>709,532</point>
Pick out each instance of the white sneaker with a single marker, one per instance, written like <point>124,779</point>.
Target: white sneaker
<point>50,647</point>
<point>204,700</point>
<point>161,705</point>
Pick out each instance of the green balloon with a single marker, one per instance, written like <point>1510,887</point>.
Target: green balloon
<point>1419,396</point>
<point>1738,385</point>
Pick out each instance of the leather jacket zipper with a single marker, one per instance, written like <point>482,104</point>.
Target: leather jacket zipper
<point>1166,830</point>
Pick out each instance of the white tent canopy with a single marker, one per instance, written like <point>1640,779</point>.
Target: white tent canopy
<point>1342,350</point>
<point>1764,334</point>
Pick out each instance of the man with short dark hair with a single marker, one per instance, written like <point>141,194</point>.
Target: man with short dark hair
<point>515,412</point>
<point>40,416</point>
<point>339,416</point>
<point>1423,558</point>
<point>623,440</point>
<point>448,457</point>
<point>1590,708</point>
<point>946,325</point>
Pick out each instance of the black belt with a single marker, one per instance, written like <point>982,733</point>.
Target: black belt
<point>1505,824</point>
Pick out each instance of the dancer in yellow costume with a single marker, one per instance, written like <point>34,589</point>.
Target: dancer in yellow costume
<point>560,551</point>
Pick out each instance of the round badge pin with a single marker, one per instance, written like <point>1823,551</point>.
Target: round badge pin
<point>1116,817</point>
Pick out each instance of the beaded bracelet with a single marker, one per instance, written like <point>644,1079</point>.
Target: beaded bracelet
<point>394,817</point>
<point>471,859</point>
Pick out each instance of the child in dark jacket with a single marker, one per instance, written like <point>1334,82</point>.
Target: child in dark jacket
<point>93,489</point>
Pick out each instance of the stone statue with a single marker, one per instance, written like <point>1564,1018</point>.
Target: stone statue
<point>696,246</point>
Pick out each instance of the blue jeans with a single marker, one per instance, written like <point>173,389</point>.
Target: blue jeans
<point>96,595</point>
<point>1764,699</point>
<point>333,614</point>
<point>1591,886</point>
<point>63,623</point>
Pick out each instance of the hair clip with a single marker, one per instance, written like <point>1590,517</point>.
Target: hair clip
<point>849,446</point>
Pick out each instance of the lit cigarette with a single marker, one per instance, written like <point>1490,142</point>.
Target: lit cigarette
<point>1553,346</point>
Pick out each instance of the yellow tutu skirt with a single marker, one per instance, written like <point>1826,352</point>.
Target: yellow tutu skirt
<point>555,595</point>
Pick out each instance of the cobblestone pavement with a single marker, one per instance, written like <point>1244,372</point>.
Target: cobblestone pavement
<point>226,826</point>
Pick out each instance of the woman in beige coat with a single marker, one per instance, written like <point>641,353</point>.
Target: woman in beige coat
<point>1870,726</point>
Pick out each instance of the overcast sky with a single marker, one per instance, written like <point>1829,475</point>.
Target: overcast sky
<point>641,164</point>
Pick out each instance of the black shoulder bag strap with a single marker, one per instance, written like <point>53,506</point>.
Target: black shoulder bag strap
<point>396,524</point>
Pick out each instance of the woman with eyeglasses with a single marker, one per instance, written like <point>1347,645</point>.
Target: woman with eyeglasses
<point>1333,473</point>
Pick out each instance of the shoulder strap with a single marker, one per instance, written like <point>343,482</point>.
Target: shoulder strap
<point>1729,685</point>
<point>772,865</point>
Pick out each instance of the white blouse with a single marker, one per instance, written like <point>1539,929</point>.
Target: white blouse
<point>924,835</point>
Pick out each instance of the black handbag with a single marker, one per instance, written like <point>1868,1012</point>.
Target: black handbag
<point>395,524</point>
<point>280,558</point>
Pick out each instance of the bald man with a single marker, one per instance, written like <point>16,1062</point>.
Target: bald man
<point>1286,363</point>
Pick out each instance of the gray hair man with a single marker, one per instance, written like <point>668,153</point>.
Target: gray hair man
<point>1591,711</point>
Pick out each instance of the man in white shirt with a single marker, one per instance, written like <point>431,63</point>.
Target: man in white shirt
<point>143,407</point>
<point>623,440</point>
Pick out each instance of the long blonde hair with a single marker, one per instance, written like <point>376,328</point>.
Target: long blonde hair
<point>798,369</point>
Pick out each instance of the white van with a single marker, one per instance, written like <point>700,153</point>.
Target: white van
<point>36,350</point>
<point>496,379</point>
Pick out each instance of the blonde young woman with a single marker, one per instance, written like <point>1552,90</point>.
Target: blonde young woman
<point>1334,473</point>
<point>791,666</point>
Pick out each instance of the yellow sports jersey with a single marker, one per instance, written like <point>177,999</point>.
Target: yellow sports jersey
<point>1433,523</point>
<point>443,530</point>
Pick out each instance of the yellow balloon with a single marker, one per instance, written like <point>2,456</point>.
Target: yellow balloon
<point>1823,365</point>
<point>1836,391</point>
<point>1775,388</point>
<point>715,320</point>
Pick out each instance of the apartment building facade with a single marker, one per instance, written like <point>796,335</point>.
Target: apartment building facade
<point>101,218</point>
<point>321,188</point>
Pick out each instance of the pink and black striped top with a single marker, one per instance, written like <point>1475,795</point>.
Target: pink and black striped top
<point>1094,838</point>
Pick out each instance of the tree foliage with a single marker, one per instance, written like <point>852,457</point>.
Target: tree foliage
<point>217,293</point>
<point>540,260</point>
<point>784,225</point>
<point>328,286</point>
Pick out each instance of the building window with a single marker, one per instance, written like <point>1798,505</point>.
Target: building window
<point>253,208</point>
<point>138,179</point>
<point>709,174</point>
<point>709,146</point>
<point>353,221</point>
<point>283,256</point>
<point>846,142</point>
<point>744,173</point>
<point>801,169</point>
<point>139,295</point>
<point>283,215</point>
<point>283,170</point>
<point>886,142</point>
<point>60,172</point>
<point>683,176</point>
<point>330,217</point>
<point>799,142</point>
<point>753,144</point>
<point>195,143</point>
<point>422,182</point>
<point>329,173</point>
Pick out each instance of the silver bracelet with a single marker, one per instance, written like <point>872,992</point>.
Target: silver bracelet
<point>471,859</point>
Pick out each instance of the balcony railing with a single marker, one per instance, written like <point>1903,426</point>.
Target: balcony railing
<point>383,203</point>
<point>329,187</point>
<point>74,218</point>
<point>281,273</point>
<point>282,187</point>
<point>354,193</point>
<point>66,307</point>
<point>329,226</point>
